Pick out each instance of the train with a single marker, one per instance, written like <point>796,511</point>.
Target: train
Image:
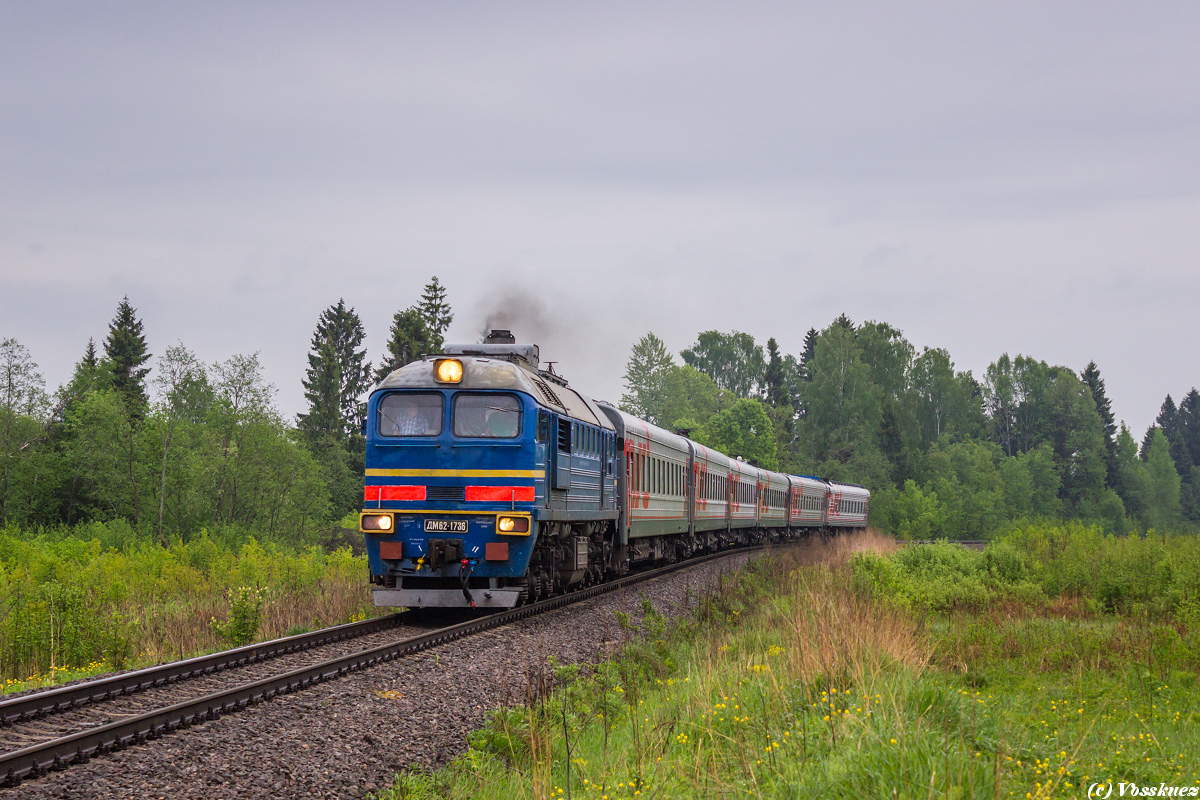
<point>490,482</point>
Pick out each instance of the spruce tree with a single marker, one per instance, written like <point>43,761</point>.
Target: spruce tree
<point>805,371</point>
<point>808,354</point>
<point>436,313</point>
<point>1185,452</point>
<point>1091,376</point>
<point>126,351</point>
<point>1185,438</point>
<point>410,339</point>
<point>337,376</point>
<point>322,389</point>
<point>777,393</point>
<point>91,374</point>
<point>1168,418</point>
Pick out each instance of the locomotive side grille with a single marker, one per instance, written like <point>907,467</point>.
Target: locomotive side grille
<point>564,436</point>
<point>445,493</point>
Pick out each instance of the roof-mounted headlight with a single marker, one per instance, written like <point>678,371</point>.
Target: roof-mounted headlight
<point>448,370</point>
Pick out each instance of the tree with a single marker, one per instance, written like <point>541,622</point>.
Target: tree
<point>1166,421</point>
<point>1091,376</point>
<point>645,379</point>
<point>1162,510</point>
<point>1186,452</point>
<point>842,424</point>
<point>91,374</point>
<point>891,440</point>
<point>776,386</point>
<point>733,360</point>
<point>943,398</point>
<point>912,513</point>
<point>126,350</point>
<point>23,407</point>
<point>1031,483</point>
<point>435,312</point>
<point>410,339</point>
<point>337,375</point>
<point>1073,428</point>
<point>968,483</point>
<point>102,456</point>
<point>259,476</point>
<point>690,398</point>
<point>1187,427</point>
<point>999,402</point>
<point>322,389</point>
<point>808,353</point>
<point>744,430</point>
<point>888,354</point>
<point>1130,479</point>
<point>804,370</point>
<point>1031,382</point>
<point>182,385</point>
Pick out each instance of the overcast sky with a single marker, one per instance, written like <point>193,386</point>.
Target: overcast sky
<point>1020,177</point>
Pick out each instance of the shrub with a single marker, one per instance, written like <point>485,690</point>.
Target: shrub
<point>245,615</point>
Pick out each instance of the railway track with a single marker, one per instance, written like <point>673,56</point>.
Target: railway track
<point>970,544</point>
<point>52,730</point>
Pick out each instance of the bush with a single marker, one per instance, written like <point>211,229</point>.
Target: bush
<point>245,615</point>
<point>101,595</point>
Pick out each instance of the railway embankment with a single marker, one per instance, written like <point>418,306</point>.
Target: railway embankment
<point>102,597</point>
<point>348,736</point>
<point>1054,659</point>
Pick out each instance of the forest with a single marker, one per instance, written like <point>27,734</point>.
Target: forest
<point>945,453</point>
<point>186,446</point>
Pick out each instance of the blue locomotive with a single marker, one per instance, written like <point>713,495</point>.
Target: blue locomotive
<point>490,482</point>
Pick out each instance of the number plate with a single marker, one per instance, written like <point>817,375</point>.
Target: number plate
<point>445,526</point>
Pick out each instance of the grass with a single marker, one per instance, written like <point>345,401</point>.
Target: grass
<point>78,605</point>
<point>801,677</point>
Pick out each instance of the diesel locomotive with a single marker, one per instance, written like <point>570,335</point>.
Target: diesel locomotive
<point>491,482</point>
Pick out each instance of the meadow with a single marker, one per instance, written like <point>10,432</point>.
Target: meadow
<point>102,596</point>
<point>1056,658</point>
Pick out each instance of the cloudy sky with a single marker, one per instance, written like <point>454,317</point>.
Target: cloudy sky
<point>988,177</point>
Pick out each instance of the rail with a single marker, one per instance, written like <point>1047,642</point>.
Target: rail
<point>31,706</point>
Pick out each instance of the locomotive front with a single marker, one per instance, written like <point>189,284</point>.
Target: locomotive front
<point>455,467</point>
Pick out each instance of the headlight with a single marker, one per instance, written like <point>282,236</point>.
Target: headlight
<point>448,370</point>
<point>512,524</point>
<point>375,522</point>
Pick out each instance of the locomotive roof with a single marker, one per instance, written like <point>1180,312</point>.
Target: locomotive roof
<point>496,373</point>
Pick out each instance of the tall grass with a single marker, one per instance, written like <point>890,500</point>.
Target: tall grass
<point>114,599</point>
<point>809,675</point>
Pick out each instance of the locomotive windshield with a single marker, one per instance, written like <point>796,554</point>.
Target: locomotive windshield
<point>488,416</point>
<point>410,415</point>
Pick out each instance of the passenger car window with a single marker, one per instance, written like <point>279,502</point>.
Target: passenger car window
<point>410,415</point>
<point>487,416</point>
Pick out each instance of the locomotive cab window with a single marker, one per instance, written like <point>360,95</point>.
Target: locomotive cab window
<point>410,415</point>
<point>487,416</point>
<point>543,427</point>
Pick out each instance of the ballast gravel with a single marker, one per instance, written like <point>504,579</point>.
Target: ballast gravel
<point>350,736</point>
